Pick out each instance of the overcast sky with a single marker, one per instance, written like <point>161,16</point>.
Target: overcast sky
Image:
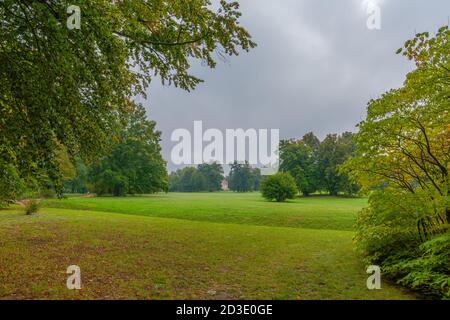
<point>315,68</point>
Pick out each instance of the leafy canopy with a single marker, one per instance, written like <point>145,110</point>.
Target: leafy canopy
<point>71,89</point>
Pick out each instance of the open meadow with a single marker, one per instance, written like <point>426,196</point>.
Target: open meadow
<point>186,246</point>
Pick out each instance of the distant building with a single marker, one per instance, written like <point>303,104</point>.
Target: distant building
<point>224,185</point>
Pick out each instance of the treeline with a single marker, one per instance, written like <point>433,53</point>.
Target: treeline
<point>209,177</point>
<point>314,164</point>
<point>131,165</point>
<point>205,177</point>
<point>134,164</point>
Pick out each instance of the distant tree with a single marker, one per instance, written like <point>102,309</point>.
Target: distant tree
<point>279,187</point>
<point>311,141</point>
<point>345,150</point>
<point>192,181</point>
<point>79,184</point>
<point>174,181</point>
<point>213,174</point>
<point>299,160</point>
<point>241,177</point>
<point>256,173</point>
<point>332,153</point>
<point>188,179</point>
<point>328,162</point>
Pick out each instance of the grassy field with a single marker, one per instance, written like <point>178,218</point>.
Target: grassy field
<point>186,246</point>
<point>315,212</point>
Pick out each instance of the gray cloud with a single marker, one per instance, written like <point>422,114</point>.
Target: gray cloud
<point>315,68</point>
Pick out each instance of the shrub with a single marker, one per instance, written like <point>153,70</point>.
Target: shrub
<point>32,206</point>
<point>387,235</point>
<point>279,187</point>
<point>426,269</point>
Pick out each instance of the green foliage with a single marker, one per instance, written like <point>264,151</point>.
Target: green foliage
<point>135,164</point>
<point>299,160</point>
<point>425,269</point>
<point>11,185</point>
<point>256,174</point>
<point>188,179</point>
<point>213,174</point>
<point>209,177</point>
<point>279,187</point>
<point>243,178</point>
<point>73,88</point>
<point>387,225</point>
<point>315,164</point>
<point>79,184</point>
<point>110,182</point>
<point>403,152</point>
<point>32,206</point>
<point>334,150</point>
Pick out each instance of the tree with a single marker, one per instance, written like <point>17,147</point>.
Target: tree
<point>110,182</point>
<point>328,162</point>
<point>188,179</point>
<point>345,150</point>
<point>299,160</point>
<point>279,187</point>
<point>79,184</point>
<point>11,185</point>
<point>72,88</point>
<point>402,161</point>
<point>403,147</point>
<point>241,177</point>
<point>174,181</point>
<point>333,151</point>
<point>213,174</point>
<point>311,141</point>
<point>135,159</point>
<point>256,176</point>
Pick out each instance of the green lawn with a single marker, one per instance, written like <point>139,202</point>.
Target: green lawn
<point>193,246</point>
<point>315,212</point>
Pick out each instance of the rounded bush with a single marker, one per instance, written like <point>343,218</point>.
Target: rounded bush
<point>279,187</point>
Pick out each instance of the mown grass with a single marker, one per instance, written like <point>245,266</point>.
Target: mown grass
<point>150,255</point>
<point>315,212</point>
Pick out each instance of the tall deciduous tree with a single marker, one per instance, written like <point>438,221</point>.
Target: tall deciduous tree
<point>72,87</point>
<point>333,151</point>
<point>135,163</point>
<point>402,160</point>
<point>403,146</point>
<point>300,160</point>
